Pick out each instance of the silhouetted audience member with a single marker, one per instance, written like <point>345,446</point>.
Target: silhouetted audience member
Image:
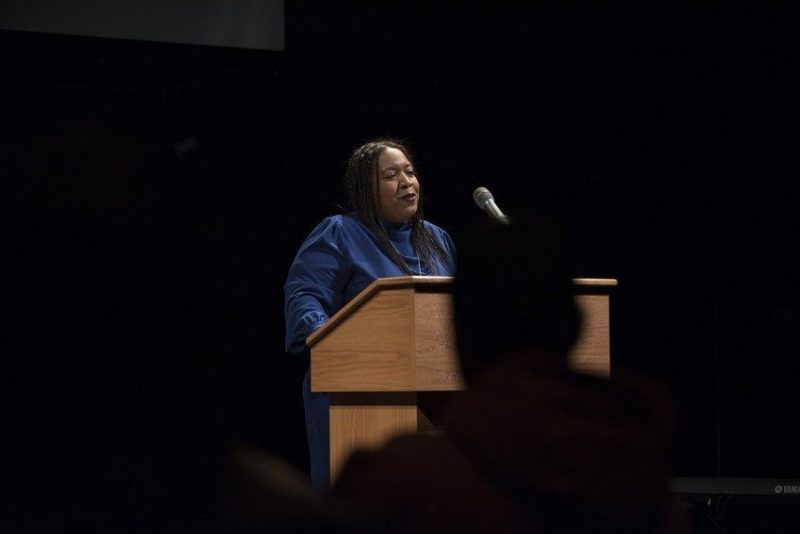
<point>529,446</point>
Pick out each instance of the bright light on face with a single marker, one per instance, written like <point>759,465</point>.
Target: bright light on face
<point>398,187</point>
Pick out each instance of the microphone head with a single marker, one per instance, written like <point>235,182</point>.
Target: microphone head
<point>481,196</point>
<point>485,201</point>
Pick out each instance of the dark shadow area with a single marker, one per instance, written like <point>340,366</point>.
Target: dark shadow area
<point>162,188</point>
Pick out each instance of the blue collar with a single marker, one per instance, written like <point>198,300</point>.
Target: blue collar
<point>395,227</point>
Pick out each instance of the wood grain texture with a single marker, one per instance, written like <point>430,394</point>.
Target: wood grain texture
<point>402,338</point>
<point>437,367</point>
<point>591,353</point>
<point>372,350</point>
<point>595,282</point>
<point>381,284</point>
<point>368,421</point>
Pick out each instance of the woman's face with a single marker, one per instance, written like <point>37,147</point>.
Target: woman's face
<point>398,188</point>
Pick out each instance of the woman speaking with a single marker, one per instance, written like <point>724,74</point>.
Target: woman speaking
<point>383,235</point>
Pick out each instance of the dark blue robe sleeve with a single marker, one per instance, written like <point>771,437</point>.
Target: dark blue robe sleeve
<point>314,287</point>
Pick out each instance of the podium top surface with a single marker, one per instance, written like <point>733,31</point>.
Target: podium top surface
<point>595,282</point>
<point>427,282</point>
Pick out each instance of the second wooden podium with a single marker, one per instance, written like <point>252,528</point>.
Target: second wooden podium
<point>395,339</point>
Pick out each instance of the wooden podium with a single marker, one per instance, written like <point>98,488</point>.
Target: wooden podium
<point>395,339</point>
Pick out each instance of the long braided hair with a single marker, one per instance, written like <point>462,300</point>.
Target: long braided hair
<point>361,186</point>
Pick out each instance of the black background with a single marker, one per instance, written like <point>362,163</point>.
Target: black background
<point>663,135</point>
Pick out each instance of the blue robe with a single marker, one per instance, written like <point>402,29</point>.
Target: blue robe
<point>336,262</point>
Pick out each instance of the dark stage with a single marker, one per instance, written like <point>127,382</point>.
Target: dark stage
<point>155,194</point>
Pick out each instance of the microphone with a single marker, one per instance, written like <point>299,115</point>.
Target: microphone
<point>485,201</point>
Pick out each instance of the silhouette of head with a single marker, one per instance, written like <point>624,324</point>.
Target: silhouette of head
<point>513,293</point>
